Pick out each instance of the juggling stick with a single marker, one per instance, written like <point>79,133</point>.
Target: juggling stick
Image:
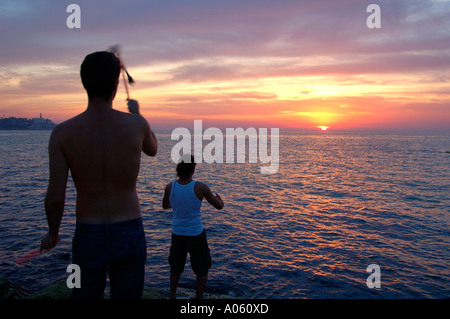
<point>115,49</point>
<point>29,256</point>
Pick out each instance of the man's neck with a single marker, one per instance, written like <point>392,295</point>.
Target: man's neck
<point>99,105</point>
<point>185,181</point>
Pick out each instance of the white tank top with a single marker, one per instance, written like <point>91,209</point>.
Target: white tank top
<point>186,210</point>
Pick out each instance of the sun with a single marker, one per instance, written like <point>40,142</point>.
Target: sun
<point>323,128</point>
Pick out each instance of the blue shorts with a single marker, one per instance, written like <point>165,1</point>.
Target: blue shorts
<point>115,249</point>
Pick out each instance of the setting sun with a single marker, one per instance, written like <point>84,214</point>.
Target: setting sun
<point>323,128</point>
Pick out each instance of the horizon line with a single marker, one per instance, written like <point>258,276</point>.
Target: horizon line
<point>157,125</point>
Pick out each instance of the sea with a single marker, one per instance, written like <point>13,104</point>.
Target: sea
<point>344,210</point>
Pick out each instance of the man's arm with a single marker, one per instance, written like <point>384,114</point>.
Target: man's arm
<point>214,200</point>
<point>56,191</point>
<point>166,201</point>
<point>150,144</point>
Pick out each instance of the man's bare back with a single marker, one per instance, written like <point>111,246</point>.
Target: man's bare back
<point>102,147</point>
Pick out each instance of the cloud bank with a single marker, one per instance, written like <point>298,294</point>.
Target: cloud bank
<point>283,62</point>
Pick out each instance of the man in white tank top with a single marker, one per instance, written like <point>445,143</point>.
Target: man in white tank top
<point>185,197</point>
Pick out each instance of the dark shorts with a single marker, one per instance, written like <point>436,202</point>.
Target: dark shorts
<point>197,247</point>
<point>114,249</point>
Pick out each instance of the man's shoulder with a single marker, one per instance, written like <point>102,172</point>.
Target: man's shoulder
<point>61,132</point>
<point>201,186</point>
<point>133,118</point>
<point>65,126</point>
<point>71,122</point>
<point>83,120</point>
<point>68,125</point>
<point>168,188</point>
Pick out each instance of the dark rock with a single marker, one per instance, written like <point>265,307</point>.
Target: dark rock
<point>11,290</point>
<point>4,287</point>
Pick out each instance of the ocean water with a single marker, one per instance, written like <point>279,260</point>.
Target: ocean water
<point>340,202</point>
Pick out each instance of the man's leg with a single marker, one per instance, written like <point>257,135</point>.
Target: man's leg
<point>88,254</point>
<point>174,279</point>
<point>201,285</point>
<point>93,283</point>
<point>127,273</point>
<point>177,260</point>
<point>200,261</point>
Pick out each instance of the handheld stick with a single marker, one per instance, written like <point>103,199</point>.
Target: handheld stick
<point>115,49</point>
<point>29,256</point>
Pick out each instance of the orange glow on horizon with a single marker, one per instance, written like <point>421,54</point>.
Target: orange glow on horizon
<point>273,101</point>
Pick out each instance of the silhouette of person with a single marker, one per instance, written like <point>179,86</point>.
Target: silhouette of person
<point>185,196</point>
<point>102,149</point>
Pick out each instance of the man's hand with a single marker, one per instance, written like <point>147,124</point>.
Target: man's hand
<point>133,106</point>
<point>220,200</point>
<point>48,241</point>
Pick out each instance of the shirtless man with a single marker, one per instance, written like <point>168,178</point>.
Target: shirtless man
<point>102,148</point>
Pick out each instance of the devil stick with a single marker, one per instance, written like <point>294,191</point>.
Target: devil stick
<point>115,49</point>
<point>30,256</point>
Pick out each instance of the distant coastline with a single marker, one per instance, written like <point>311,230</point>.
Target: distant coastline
<point>17,123</point>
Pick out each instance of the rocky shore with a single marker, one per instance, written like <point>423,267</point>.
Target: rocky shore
<point>59,290</point>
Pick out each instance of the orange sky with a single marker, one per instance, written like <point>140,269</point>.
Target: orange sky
<point>293,64</point>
